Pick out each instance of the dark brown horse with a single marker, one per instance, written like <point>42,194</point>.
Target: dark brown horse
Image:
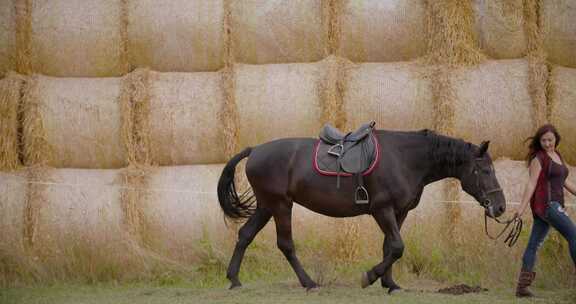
<point>281,173</point>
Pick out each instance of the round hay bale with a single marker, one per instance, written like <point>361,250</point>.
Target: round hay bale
<point>278,100</point>
<point>13,191</point>
<point>395,95</point>
<point>182,208</point>
<point>176,36</point>
<point>10,90</point>
<point>80,205</point>
<point>82,121</point>
<point>185,125</point>
<point>497,22</point>
<point>7,37</point>
<point>383,31</point>
<point>562,100</point>
<point>78,38</point>
<point>492,102</point>
<point>559,31</point>
<point>278,31</point>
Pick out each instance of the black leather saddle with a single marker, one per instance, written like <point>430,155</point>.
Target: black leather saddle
<point>350,154</point>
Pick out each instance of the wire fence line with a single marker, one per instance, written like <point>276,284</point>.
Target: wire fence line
<point>180,190</point>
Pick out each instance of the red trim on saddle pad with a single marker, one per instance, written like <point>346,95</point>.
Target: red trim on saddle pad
<point>330,173</point>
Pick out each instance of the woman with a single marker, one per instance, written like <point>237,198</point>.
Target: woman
<point>545,192</point>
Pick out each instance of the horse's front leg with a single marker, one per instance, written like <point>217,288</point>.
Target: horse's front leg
<point>386,279</point>
<point>394,246</point>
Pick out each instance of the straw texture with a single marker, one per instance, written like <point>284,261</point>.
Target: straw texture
<point>499,25</point>
<point>562,100</point>
<point>184,123</point>
<point>382,31</point>
<point>176,36</point>
<point>77,38</point>
<point>290,91</point>
<point>277,31</point>
<point>493,103</point>
<point>396,95</point>
<point>10,89</point>
<point>81,119</point>
<point>7,37</point>
<point>559,31</point>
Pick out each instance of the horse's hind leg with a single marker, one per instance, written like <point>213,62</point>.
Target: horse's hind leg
<point>386,219</point>
<point>245,236</point>
<point>283,218</point>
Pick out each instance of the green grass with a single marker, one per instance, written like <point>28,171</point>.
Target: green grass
<point>264,291</point>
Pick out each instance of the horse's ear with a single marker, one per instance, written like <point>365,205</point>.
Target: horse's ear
<point>483,148</point>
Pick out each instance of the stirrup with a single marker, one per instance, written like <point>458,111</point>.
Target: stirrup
<point>334,147</point>
<point>361,196</point>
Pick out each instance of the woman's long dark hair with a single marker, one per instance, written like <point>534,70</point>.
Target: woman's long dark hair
<point>534,146</point>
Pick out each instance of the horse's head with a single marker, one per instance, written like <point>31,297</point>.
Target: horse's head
<point>479,180</point>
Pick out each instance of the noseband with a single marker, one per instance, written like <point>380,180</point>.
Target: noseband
<point>516,223</point>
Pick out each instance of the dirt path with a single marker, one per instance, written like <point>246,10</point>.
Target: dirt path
<point>262,292</point>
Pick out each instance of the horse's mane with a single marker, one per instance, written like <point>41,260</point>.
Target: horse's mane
<point>447,151</point>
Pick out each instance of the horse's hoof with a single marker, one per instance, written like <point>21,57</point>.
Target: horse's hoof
<point>314,288</point>
<point>235,286</point>
<point>365,282</point>
<point>394,290</point>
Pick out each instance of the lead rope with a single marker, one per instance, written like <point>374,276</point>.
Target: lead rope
<point>516,223</point>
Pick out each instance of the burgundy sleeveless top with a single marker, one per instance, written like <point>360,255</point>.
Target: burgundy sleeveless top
<point>550,185</point>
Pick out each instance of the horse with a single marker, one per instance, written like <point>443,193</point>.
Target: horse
<point>280,172</point>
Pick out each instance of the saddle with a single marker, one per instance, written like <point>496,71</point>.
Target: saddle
<point>351,154</point>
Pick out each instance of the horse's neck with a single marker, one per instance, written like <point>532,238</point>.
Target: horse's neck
<point>445,156</point>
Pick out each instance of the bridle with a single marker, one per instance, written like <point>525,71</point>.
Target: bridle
<point>516,222</point>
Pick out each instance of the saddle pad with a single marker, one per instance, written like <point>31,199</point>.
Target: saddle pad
<point>327,164</point>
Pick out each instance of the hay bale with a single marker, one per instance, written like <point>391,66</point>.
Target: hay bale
<point>562,100</point>
<point>278,31</point>
<point>76,38</point>
<point>396,95</point>
<point>493,103</point>
<point>450,31</point>
<point>382,31</point>
<point>185,127</point>
<point>76,123</point>
<point>177,35</point>
<point>500,28</point>
<point>80,205</point>
<point>10,88</point>
<point>559,31</point>
<point>13,189</point>
<point>182,209</point>
<point>265,93</point>
<point>7,37</point>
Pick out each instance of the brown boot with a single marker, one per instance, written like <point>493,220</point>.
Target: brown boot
<point>526,278</point>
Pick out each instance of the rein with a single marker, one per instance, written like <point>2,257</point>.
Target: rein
<point>516,224</point>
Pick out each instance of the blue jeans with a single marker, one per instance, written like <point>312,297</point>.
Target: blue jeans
<point>556,217</point>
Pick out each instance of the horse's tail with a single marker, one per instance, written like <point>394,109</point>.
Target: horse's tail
<point>235,207</point>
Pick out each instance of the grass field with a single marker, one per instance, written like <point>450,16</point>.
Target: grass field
<point>275,291</point>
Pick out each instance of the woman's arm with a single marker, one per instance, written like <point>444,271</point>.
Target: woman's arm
<point>534,170</point>
<point>570,187</point>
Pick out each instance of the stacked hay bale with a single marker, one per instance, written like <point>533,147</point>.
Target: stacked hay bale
<point>10,88</point>
<point>177,36</point>
<point>562,102</point>
<point>7,37</point>
<point>381,31</point>
<point>71,38</point>
<point>73,122</point>
<point>229,74</point>
<point>278,31</point>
